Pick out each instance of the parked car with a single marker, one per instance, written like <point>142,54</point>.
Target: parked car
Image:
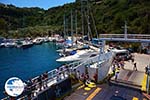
<point>122,54</point>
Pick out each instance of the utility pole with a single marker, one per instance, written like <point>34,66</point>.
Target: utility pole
<point>125,30</point>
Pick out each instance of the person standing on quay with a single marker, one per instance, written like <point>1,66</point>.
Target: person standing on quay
<point>146,69</point>
<point>135,67</point>
<point>116,75</point>
<point>95,77</point>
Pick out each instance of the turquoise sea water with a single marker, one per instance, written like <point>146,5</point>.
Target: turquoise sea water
<point>26,63</point>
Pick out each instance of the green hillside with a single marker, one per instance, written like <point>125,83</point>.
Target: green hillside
<point>109,16</point>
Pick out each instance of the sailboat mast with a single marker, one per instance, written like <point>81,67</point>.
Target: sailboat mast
<point>94,25</point>
<point>67,30</point>
<point>72,27</point>
<point>88,21</point>
<point>82,18</point>
<point>76,24</point>
<point>64,26</point>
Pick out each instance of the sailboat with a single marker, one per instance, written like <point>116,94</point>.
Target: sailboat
<point>82,53</point>
<point>96,67</point>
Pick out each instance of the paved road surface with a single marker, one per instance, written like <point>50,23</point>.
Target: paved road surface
<point>105,93</point>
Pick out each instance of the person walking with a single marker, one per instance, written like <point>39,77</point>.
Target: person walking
<point>78,75</point>
<point>116,75</point>
<point>122,64</point>
<point>146,69</point>
<point>113,68</point>
<point>135,67</point>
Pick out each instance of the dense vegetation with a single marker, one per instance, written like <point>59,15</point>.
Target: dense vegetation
<point>109,16</point>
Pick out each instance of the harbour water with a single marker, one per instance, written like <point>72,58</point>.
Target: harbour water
<point>26,63</point>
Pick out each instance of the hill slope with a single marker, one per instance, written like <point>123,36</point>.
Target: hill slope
<point>109,16</point>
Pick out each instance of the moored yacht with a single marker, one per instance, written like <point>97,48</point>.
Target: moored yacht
<point>38,40</point>
<point>27,44</point>
<point>46,39</point>
<point>79,55</point>
<point>2,45</point>
<point>10,44</point>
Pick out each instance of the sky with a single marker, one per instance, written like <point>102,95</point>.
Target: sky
<point>36,3</point>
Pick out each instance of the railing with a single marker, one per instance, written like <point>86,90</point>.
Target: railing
<point>54,76</point>
<point>111,35</point>
<point>129,36</point>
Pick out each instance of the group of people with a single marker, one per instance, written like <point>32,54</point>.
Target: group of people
<point>62,71</point>
<point>34,84</point>
<point>41,82</point>
<point>116,66</point>
<point>84,77</point>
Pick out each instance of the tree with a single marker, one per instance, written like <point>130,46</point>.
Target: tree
<point>3,25</point>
